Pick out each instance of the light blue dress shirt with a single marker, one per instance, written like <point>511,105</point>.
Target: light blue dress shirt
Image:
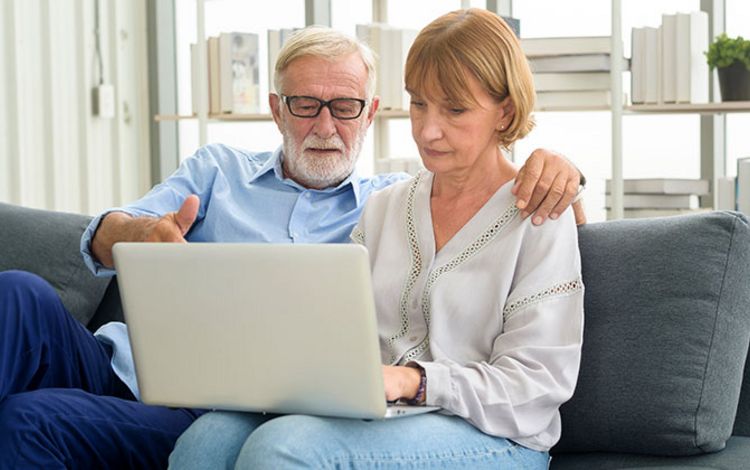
<point>244,197</point>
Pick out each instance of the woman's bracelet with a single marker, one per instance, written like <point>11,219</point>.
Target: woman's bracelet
<point>419,398</point>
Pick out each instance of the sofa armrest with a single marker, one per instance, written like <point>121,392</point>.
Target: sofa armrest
<point>46,243</point>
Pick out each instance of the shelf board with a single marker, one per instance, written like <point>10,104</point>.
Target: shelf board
<point>682,108</point>
<point>706,108</point>
<point>214,117</point>
<point>571,108</point>
<point>392,113</point>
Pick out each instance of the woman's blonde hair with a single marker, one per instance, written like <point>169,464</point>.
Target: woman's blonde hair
<point>319,41</point>
<point>478,42</point>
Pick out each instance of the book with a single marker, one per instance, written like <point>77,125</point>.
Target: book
<point>574,63</point>
<point>214,84</point>
<point>656,201</point>
<point>239,73</point>
<point>743,185</point>
<point>394,92</point>
<point>276,40</point>
<point>370,35</point>
<point>194,71</point>
<point>725,194</point>
<point>669,58</point>
<point>573,99</point>
<point>662,186</point>
<point>691,68</point>
<point>573,81</point>
<point>391,46</point>
<point>646,213</point>
<point>535,47</point>
<point>274,46</point>
<point>637,65</point>
<point>651,66</point>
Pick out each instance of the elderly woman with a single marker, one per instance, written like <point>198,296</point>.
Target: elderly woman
<point>480,312</point>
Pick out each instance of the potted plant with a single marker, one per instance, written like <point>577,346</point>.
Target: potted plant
<point>731,57</point>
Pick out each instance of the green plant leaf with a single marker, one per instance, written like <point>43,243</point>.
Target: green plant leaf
<point>724,51</point>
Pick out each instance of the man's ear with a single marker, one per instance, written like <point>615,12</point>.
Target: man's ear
<point>274,102</point>
<point>373,109</point>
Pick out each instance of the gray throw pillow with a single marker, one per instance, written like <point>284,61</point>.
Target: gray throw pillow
<point>47,243</point>
<point>667,327</point>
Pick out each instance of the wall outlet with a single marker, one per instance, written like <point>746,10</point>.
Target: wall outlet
<point>103,101</point>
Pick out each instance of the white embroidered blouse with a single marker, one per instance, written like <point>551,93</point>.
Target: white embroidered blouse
<point>495,317</point>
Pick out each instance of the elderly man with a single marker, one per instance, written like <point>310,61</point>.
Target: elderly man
<point>69,398</point>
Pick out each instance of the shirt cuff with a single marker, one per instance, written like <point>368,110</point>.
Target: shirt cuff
<point>89,259</point>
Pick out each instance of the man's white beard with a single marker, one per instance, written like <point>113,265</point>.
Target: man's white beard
<point>318,171</point>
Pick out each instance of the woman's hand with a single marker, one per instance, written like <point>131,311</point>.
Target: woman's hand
<point>400,382</point>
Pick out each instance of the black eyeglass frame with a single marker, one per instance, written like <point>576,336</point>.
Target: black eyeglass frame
<point>324,104</point>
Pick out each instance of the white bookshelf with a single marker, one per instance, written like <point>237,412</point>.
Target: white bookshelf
<point>318,12</point>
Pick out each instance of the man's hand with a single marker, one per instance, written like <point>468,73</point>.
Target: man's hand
<point>546,185</point>
<point>400,382</point>
<point>173,226</point>
<point>121,227</point>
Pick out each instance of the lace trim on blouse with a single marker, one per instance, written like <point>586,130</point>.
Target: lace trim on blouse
<point>562,289</point>
<point>487,236</point>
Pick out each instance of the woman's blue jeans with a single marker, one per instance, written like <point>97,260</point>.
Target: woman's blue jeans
<point>430,441</point>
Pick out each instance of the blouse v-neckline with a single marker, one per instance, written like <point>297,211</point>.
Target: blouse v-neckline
<point>470,231</point>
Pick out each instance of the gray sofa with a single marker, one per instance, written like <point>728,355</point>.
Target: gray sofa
<point>666,333</point>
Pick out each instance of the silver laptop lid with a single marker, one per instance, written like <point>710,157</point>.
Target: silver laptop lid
<point>256,327</point>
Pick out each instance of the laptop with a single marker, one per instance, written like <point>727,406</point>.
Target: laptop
<point>276,328</point>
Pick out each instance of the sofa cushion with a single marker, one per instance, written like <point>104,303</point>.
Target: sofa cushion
<point>667,326</point>
<point>48,244</point>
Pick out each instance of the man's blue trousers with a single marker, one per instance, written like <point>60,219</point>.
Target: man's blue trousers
<point>61,404</point>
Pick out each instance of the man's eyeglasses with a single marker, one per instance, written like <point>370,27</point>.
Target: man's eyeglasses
<point>310,107</point>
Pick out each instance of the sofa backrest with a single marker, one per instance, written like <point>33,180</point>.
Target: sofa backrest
<point>47,243</point>
<point>667,328</point>
<point>619,258</point>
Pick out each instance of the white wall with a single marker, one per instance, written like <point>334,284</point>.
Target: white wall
<point>54,153</point>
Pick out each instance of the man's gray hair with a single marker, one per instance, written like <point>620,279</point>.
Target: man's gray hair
<point>327,43</point>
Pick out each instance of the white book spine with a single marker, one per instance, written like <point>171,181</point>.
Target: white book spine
<point>573,99</point>
<point>214,83</point>
<point>668,54</point>
<point>725,194</point>
<point>743,185</point>
<point>407,39</point>
<point>225,72</point>
<point>637,65</point>
<point>194,77</point>
<point>535,47</point>
<point>691,66</point>
<point>274,45</point>
<point>651,66</point>
<point>573,81</point>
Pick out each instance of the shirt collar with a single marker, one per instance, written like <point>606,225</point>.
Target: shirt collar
<point>275,163</point>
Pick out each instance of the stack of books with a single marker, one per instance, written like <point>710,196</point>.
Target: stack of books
<point>571,72</point>
<point>233,74</point>
<point>276,40</point>
<point>668,62</point>
<point>391,46</point>
<point>659,197</point>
